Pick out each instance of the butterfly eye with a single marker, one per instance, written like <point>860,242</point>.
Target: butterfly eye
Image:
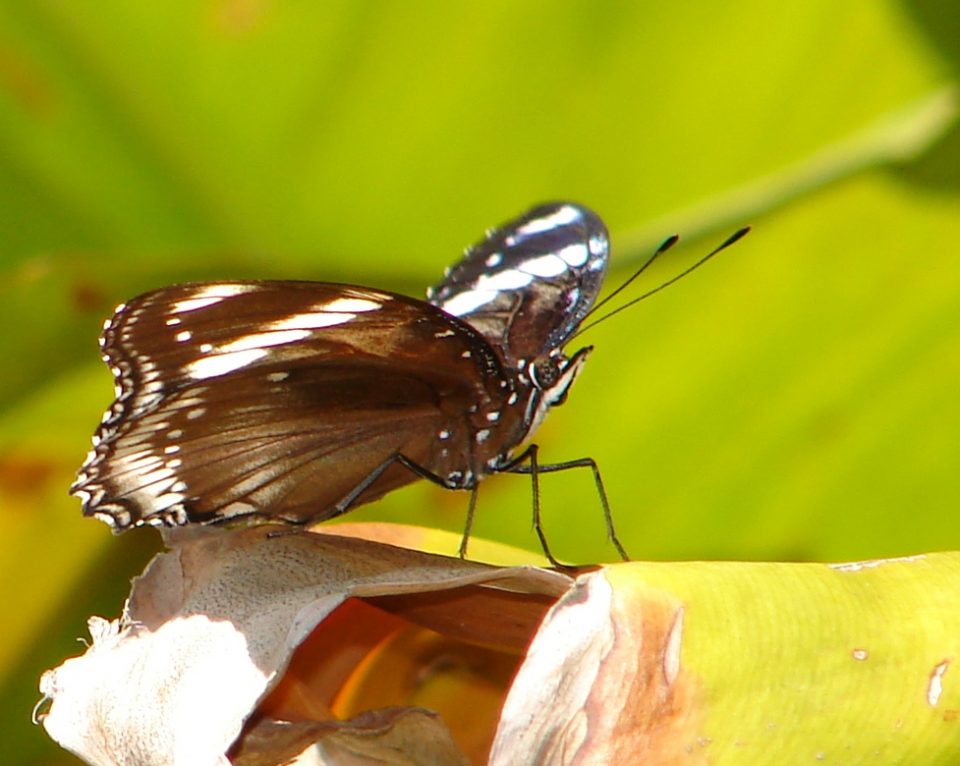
<point>544,373</point>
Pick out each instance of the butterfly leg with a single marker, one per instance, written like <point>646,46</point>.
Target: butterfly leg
<point>468,527</point>
<point>347,502</point>
<point>529,455</point>
<point>526,462</point>
<point>344,505</point>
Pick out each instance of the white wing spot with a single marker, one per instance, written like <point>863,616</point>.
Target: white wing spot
<point>466,354</point>
<point>276,377</point>
<point>493,417</point>
<point>545,266</point>
<point>444,434</point>
<point>221,364</point>
<point>574,255</point>
<point>198,412</point>
<point>206,348</point>
<point>485,290</point>
<point>176,433</point>
<point>320,317</point>
<point>511,279</point>
<point>482,435</point>
<point>139,461</point>
<point>497,258</point>
<point>115,518</point>
<point>560,217</point>
<point>263,339</point>
<point>444,334</point>
<point>155,476</point>
<point>167,500</point>
<point>208,295</point>
<point>172,321</point>
<point>467,302</point>
<point>598,244</point>
<point>183,335</point>
<point>352,304</point>
<point>192,304</point>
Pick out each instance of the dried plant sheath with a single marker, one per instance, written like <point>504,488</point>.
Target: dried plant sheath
<point>211,625</point>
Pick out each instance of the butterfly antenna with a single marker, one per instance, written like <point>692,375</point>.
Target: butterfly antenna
<point>667,244</point>
<point>737,235</point>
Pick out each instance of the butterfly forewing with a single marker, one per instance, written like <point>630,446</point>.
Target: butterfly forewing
<point>529,284</point>
<point>276,399</point>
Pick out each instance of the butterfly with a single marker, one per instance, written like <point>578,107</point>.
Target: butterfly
<point>297,401</point>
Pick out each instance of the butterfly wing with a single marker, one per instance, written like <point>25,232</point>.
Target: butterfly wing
<point>277,399</point>
<point>528,285</point>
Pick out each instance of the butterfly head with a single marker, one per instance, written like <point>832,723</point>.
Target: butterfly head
<point>550,380</point>
<point>554,374</point>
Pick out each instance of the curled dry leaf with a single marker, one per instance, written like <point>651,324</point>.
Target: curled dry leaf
<point>212,625</point>
<point>607,683</point>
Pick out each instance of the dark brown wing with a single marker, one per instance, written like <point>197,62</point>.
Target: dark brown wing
<point>527,286</point>
<point>277,399</point>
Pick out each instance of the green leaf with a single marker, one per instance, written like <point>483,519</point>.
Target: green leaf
<point>802,663</point>
<point>794,399</point>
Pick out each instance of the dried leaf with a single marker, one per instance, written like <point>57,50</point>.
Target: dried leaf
<point>210,627</point>
<point>388,737</point>
<point>599,683</point>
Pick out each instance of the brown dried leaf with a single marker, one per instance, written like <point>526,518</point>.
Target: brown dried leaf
<point>210,627</point>
<point>387,737</point>
<point>601,682</point>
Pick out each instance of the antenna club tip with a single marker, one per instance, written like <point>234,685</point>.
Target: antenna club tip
<point>736,236</point>
<point>667,244</point>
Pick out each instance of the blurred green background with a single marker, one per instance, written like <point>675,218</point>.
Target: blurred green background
<point>795,399</point>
